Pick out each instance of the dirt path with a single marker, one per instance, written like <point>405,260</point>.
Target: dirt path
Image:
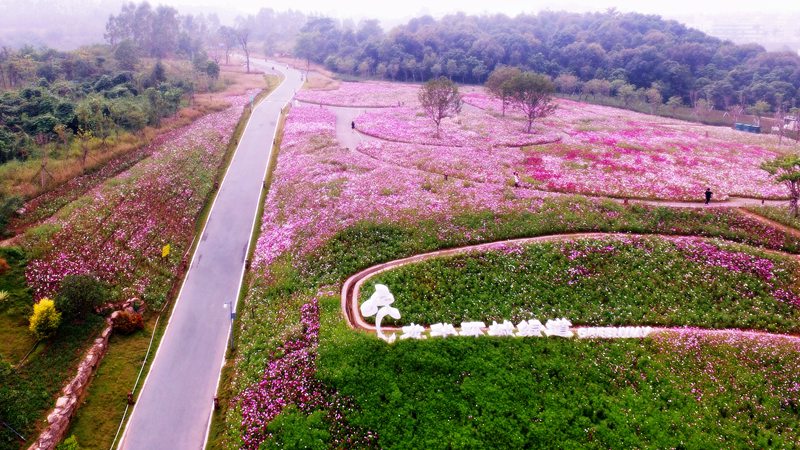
<point>352,286</point>
<point>789,230</point>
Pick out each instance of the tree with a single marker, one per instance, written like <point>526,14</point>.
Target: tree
<point>760,109</point>
<point>79,295</point>
<point>496,83</point>
<point>126,55</point>
<point>440,99</point>
<point>228,39</point>
<point>212,70</point>
<point>675,102</point>
<point>532,93</point>
<point>242,35</point>
<point>45,319</point>
<point>786,169</point>
<point>595,87</point>
<point>654,98</point>
<point>567,83</point>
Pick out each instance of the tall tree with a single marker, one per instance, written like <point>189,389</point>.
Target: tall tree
<point>786,169</point>
<point>243,35</point>
<point>532,93</point>
<point>496,84</point>
<point>440,99</point>
<point>228,40</point>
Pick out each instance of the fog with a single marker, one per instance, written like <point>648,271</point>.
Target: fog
<point>67,24</point>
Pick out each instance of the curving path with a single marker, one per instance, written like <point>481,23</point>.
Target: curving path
<point>174,408</point>
<point>351,139</point>
<point>352,286</point>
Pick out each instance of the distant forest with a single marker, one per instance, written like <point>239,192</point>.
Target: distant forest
<point>645,51</point>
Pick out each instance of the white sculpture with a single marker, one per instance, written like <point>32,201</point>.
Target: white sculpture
<point>378,305</point>
<point>472,328</point>
<point>443,330</point>
<point>558,327</point>
<point>501,329</point>
<point>613,332</point>
<point>413,331</point>
<point>529,328</point>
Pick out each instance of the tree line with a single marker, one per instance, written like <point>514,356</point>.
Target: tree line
<point>606,50</point>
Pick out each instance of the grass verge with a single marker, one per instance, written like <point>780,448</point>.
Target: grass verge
<point>531,393</point>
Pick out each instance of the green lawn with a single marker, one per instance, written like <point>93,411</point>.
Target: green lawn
<point>664,392</point>
<point>517,393</point>
<point>613,281</point>
<point>15,340</point>
<point>98,418</point>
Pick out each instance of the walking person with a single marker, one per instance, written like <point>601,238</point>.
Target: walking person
<point>708,195</point>
<point>353,125</point>
<point>516,179</point>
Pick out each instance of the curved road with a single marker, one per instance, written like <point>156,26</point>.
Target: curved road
<point>174,407</point>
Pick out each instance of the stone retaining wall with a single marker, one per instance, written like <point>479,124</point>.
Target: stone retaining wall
<point>58,420</point>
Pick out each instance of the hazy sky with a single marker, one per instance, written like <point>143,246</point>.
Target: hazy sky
<point>394,10</point>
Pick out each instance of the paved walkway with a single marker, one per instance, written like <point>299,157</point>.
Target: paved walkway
<point>351,288</point>
<point>174,407</point>
<point>352,138</point>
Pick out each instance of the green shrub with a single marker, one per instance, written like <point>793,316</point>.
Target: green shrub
<point>127,322</point>
<point>8,207</point>
<point>294,429</point>
<point>79,295</point>
<point>45,319</point>
<point>70,443</point>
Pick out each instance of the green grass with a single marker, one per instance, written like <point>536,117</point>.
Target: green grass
<point>649,281</point>
<point>269,316</point>
<point>98,418</point>
<point>782,215</point>
<point>28,392</point>
<point>665,392</point>
<point>15,340</point>
<point>28,388</point>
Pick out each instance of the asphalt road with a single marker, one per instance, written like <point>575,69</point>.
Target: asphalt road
<point>174,407</point>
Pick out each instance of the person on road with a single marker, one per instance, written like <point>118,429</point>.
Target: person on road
<point>708,195</point>
<point>353,125</point>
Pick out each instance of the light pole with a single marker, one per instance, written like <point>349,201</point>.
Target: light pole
<point>229,306</point>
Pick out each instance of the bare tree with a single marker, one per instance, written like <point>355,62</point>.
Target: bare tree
<point>243,34</point>
<point>228,39</point>
<point>440,98</point>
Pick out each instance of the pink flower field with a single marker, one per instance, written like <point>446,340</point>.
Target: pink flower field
<point>471,128</point>
<point>367,95</point>
<point>582,148</point>
<point>117,230</point>
<point>320,188</point>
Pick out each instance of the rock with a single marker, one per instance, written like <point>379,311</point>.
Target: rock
<point>62,401</point>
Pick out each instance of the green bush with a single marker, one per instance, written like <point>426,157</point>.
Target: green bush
<point>79,295</point>
<point>595,282</point>
<point>70,443</point>
<point>8,207</point>
<point>294,429</point>
<point>127,322</point>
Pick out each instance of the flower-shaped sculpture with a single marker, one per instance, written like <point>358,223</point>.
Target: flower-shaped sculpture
<point>378,305</point>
